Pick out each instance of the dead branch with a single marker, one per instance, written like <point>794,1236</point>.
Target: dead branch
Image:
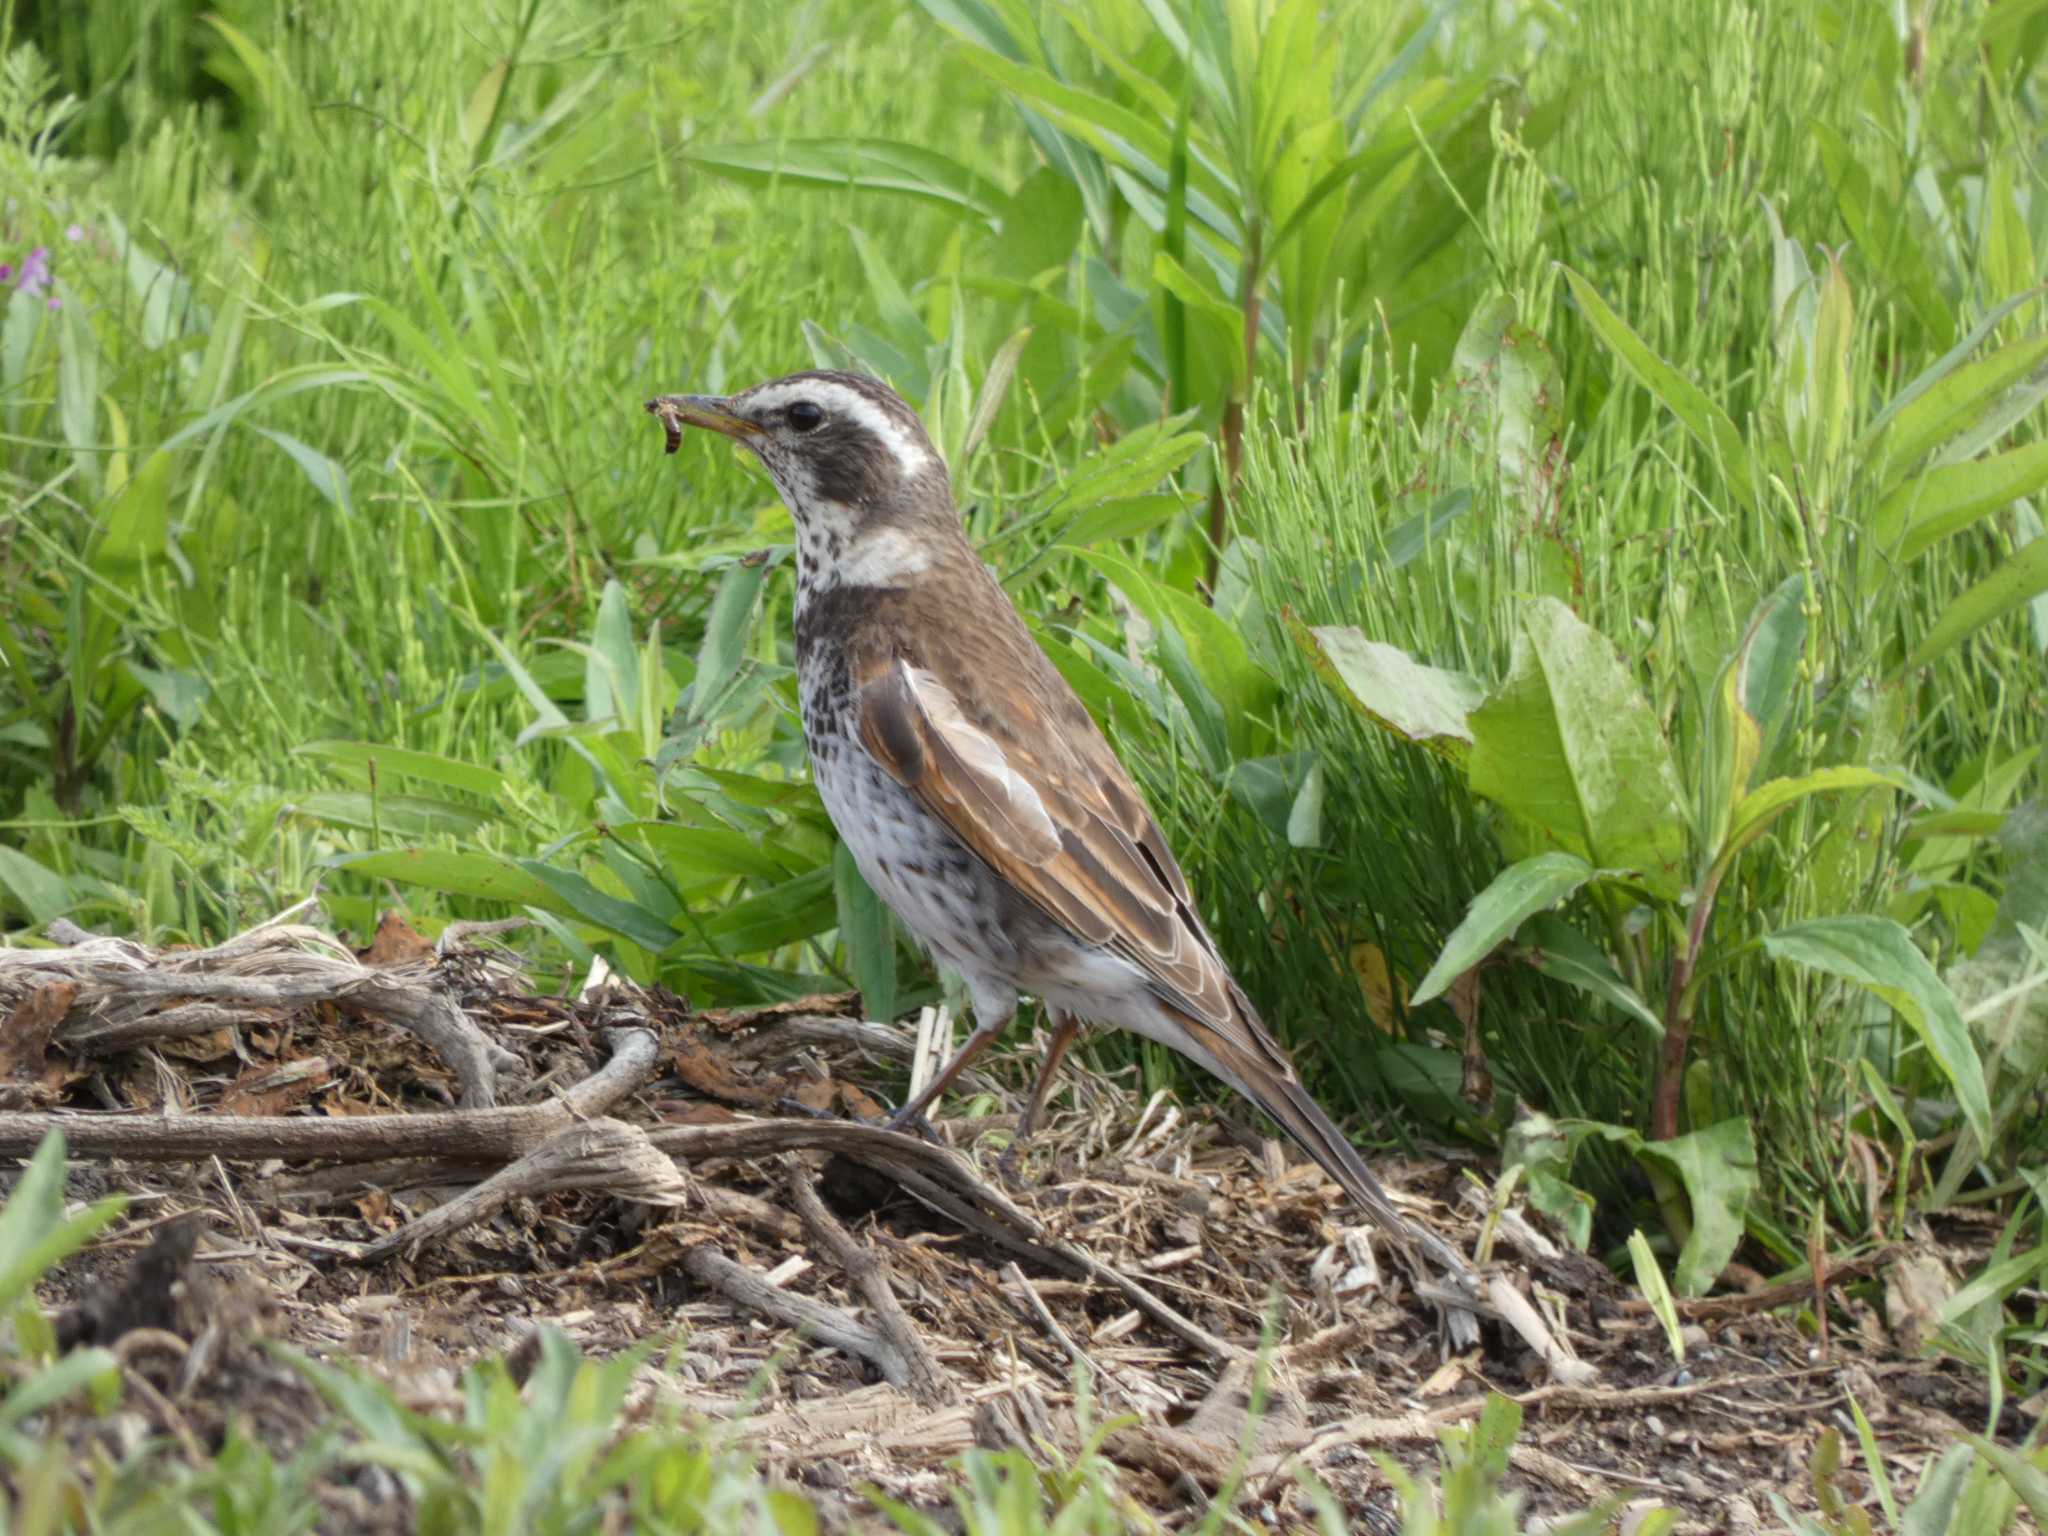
<point>1783,1293</point>
<point>1017,1282</point>
<point>815,1320</point>
<point>926,1380</point>
<point>942,1180</point>
<point>481,1135</point>
<point>598,1154</point>
<point>128,995</point>
<point>884,1042</point>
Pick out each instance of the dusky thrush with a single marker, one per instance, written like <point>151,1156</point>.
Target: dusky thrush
<point>969,781</point>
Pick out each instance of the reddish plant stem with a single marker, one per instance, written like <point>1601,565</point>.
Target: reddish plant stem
<point>1678,1015</point>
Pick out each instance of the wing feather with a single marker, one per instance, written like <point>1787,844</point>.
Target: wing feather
<point>1054,816</point>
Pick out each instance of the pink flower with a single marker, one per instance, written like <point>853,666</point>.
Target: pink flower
<point>75,233</point>
<point>35,271</point>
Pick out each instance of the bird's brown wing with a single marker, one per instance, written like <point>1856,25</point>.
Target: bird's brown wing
<point>1048,807</point>
<point>1052,812</point>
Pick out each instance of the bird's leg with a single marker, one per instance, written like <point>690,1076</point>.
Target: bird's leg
<point>985,1030</point>
<point>1064,1029</point>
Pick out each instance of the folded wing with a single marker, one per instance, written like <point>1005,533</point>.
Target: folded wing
<point>1055,816</point>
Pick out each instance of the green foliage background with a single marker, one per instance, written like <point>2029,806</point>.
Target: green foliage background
<point>339,555</point>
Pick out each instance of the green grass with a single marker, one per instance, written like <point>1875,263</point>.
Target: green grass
<point>331,452</point>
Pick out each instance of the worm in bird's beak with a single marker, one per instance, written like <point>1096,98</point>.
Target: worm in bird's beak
<point>676,412</point>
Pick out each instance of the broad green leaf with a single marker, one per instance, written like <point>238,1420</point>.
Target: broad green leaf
<point>178,694</point>
<point>480,115</point>
<point>700,852</point>
<point>457,872</point>
<point>1242,693</point>
<point>1989,794</point>
<point>2013,584</point>
<point>1717,1166</point>
<point>78,386</point>
<point>1407,541</point>
<point>1517,398</point>
<point>995,388</point>
<point>1708,424</point>
<point>1828,364</point>
<point>1771,652</point>
<point>403,816</point>
<point>1876,223</point>
<point>403,762</point>
<point>1124,518</point>
<point>870,165</point>
<point>1733,742</point>
<point>547,715</point>
<point>1191,683</point>
<point>728,632</point>
<point>137,524</point>
<point>1515,894</point>
<point>1042,224</point>
<point>1880,956</point>
<point>1930,507</point>
<point>1948,398</point>
<point>783,914</point>
<point>1134,464</point>
<point>1568,745</point>
<point>1269,786</point>
<point>1426,705</point>
<point>1560,951</point>
<point>1125,138</point>
<point>1305,816</point>
<point>325,475</point>
<point>611,662</point>
<point>1761,806</point>
<point>869,935</point>
<point>42,893</point>
<point>579,898</point>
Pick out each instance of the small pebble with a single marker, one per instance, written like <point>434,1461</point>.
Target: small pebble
<point>1655,1425</point>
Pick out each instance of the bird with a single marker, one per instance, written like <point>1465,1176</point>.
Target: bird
<point>976,793</point>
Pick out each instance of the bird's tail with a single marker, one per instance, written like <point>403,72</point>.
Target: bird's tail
<point>1273,1086</point>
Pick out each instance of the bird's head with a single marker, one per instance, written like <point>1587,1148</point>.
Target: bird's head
<point>850,458</point>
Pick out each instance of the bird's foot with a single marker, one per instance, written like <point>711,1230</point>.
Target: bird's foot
<point>1009,1168</point>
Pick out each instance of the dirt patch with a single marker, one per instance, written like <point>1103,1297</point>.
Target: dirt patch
<point>407,1160</point>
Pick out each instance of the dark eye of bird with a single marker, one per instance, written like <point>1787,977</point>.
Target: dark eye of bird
<point>804,415</point>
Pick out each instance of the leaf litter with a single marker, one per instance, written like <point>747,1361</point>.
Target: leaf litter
<point>408,1159</point>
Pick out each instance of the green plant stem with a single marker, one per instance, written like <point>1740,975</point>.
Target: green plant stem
<point>1233,409</point>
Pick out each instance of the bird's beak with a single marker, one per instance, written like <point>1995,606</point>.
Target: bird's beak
<point>708,411</point>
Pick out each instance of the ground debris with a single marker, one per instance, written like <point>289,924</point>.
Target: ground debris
<point>619,1168</point>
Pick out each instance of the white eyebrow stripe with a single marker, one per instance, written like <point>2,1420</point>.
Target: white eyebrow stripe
<point>911,456</point>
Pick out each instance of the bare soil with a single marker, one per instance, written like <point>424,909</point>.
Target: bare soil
<point>407,1159</point>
